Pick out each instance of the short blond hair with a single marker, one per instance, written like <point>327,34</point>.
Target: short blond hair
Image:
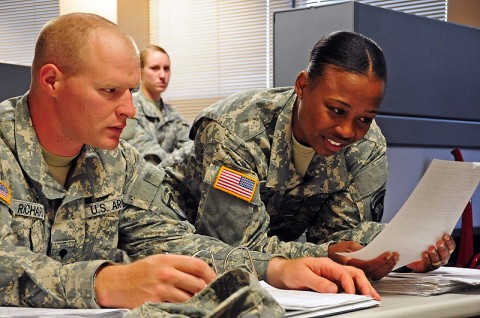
<point>63,41</point>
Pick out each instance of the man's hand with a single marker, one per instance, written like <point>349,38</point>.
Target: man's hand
<point>375,268</point>
<point>157,278</point>
<point>318,274</point>
<point>435,257</point>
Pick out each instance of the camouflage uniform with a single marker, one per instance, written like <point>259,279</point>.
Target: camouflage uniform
<point>250,133</point>
<point>54,239</point>
<point>234,294</point>
<point>157,130</point>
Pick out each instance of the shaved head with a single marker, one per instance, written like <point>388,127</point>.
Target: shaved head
<point>63,41</point>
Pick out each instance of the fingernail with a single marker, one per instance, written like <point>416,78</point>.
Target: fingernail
<point>441,245</point>
<point>389,256</point>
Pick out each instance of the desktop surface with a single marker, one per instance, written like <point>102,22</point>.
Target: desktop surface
<point>460,304</point>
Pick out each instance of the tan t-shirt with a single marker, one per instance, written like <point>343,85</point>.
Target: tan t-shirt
<point>302,156</point>
<point>58,165</point>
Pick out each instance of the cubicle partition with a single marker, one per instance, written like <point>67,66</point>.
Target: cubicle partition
<point>14,79</point>
<point>432,100</point>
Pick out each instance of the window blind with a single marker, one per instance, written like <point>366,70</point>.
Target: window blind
<point>216,48</point>
<point>220,47</point>
<point>20,24</point>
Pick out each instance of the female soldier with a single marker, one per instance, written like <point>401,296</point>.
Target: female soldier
<point>265,166</point>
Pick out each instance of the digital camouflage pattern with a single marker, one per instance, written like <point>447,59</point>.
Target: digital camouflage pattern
<point>157,129</point>
<point>237,293</point>
<point>339,198</point>
<point>54,239</point>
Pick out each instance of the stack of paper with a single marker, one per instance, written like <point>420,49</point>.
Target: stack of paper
<point>299,303</point>
<point>440,281</point>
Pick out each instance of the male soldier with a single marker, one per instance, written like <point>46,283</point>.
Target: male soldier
<point>157,129</point>
<point>71,195</point>
<point>268,165</point>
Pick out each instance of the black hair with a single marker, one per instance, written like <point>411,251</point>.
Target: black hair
<point>350,51</point>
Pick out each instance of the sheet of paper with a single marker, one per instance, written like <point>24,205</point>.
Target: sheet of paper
<point>464,275</point>
<point>432,209</point>
<point>28,312</point>
<point>304,303</point>
<point>303,299</point>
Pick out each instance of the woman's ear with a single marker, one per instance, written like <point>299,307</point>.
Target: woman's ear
<point>49,77</point>
<point>300,83</point>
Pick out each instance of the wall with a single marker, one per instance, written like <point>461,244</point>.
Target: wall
<point>105,8</point>
<point>466,12</point>
<point>132,16</point>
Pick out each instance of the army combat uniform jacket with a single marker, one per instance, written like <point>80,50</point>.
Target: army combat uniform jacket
<point>53,239</point>
<point>237,181</point>
<point>157,129</point>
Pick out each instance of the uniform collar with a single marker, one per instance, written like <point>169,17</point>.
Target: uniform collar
<point>281,170</point>
<point>152,108</point>
<point>324,174</point>
<point>328,174</point>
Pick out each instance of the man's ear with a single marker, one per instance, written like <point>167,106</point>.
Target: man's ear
<point>300,83</point>
<point>50,78</point>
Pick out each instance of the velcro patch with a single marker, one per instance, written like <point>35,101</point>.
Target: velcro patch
<point>235,183</point>
<point>103,207</point>
<point>5,193</point>
<point>28,209</point>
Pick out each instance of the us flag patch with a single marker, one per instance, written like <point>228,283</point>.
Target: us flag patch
<point>235,183</point>
<point>5,194</point>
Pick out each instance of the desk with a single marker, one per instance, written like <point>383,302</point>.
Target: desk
<point>461,304</point>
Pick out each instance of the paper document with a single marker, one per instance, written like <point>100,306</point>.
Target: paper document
<point>432,209</point>
<point>303,303</point>
<point>440,281</point>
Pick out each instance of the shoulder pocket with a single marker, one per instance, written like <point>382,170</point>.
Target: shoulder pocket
<point>144,187</point>
<point>372,178</point>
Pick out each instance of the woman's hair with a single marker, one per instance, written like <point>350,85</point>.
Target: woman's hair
<point>148,49</point>
<point>350,51</point>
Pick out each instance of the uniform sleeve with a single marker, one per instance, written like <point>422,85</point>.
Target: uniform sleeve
<point>354,213</point>
<point>237,222</point>
<point>150,226</point>
<point>35,280</point>
<point>136,134</point>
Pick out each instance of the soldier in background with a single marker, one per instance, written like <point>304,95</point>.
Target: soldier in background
<point>157,129</point>
<point>72,194</point>
<point>266,166</point>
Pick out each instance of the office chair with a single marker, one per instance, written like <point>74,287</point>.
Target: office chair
<point>466,257</point>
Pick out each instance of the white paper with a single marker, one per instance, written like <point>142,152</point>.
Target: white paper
<point>432,209</point>
<point>303,303</point>
<point>469,276</point>
<point>30,312</point>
